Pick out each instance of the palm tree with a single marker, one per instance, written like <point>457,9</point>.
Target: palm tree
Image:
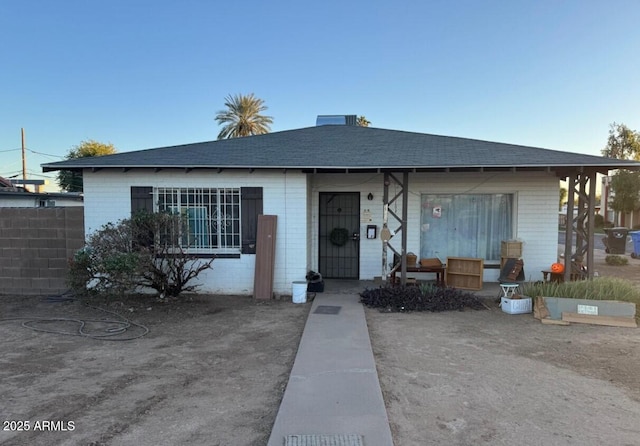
<point>242,117</point>
<point>362,121</point>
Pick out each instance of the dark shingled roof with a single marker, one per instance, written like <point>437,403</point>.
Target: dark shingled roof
<point>346,147</point>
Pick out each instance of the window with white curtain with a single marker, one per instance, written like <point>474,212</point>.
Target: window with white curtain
<point>465,225</point>
<point>211,217</point>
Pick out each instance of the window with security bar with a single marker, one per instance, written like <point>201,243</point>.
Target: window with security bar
<point>211,217</point>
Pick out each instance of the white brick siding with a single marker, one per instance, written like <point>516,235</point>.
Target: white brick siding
<point>370,250</point>
<point>293,197</point>
<point>108,199</point>
<point>536,212</point>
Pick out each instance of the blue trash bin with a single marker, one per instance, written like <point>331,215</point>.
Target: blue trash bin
<point>635,238</point>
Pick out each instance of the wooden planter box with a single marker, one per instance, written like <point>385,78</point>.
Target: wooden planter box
<point>465,273</point>
<point>511,249</point>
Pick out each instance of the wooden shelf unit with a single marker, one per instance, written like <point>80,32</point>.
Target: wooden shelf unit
<point>465,273</point>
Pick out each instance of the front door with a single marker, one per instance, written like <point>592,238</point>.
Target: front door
<point>339,232</point>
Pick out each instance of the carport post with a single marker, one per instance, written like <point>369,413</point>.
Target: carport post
<point>582,224</point>
<point>385,234</point>
<point>568,242</point>
<point>405,199</point>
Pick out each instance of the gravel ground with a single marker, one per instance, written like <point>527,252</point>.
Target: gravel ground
<point>487,377</point>
<point>211,371</point>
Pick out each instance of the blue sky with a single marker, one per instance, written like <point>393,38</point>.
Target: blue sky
<point>142,74</point>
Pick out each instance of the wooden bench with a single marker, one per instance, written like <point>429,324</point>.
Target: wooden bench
<point>438,270</point>
<point>550,276</point>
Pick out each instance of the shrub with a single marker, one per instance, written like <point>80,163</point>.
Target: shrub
<point>142,251</point>
<point>424,298</point>
<point>616,260</point>
<point>80,273</point>
<point>107,264</point>
<point>598,221</point>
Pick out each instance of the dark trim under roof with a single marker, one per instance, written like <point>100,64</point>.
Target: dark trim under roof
<point>348,148</point>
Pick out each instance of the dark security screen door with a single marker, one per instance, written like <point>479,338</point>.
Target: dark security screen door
<point>339,216</point>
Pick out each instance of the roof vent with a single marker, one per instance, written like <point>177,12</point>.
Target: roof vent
<point>336,120</point>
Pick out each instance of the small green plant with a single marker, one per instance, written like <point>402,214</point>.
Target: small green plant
<point>426,289</point>
<point>616,260</point>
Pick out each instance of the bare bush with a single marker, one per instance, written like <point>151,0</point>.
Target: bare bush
<point>142,251</point>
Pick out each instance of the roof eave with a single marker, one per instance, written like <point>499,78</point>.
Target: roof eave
<point>96,167</point>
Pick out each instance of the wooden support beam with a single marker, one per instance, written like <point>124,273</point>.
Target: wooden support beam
<point>611,321</point>
<point>405,211</point>
<point>402,228</point>
<point>547,321</point>
<point>568,243</point>
<point>591,224</point>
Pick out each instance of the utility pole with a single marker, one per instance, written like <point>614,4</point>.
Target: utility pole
<point>24,158</point>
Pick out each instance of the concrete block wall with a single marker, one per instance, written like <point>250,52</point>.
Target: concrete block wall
<point>35,246</point>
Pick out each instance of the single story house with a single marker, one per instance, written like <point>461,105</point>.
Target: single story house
<point>333,188</point>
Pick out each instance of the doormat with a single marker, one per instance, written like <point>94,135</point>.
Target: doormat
<point>327,309</point>
<point>324,440</point>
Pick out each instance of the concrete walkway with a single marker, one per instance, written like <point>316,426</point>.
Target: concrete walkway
<point>333,395</point>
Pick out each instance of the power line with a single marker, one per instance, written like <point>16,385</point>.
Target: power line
<point>39,172</point>
<point>46,154</point>
<point>33,151</point>
<point>31,173</point>
<point>17,173</point>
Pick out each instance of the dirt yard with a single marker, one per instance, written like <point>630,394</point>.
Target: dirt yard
<point>486,377</point>
<point>211,371</point>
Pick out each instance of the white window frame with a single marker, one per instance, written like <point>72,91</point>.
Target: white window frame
<point>425,225</point>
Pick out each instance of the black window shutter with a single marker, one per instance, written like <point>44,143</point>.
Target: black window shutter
<point>141,199</point>
<point>251,207</point>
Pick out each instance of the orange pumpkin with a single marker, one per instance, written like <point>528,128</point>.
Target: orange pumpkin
<point>557,268</point>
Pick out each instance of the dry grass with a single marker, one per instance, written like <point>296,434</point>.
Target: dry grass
<point>599,288</point>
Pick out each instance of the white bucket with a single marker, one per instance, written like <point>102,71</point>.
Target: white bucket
<point>299,292</point>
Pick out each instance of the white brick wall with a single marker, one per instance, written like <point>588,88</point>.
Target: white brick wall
<point>108,199</point>
<point>293,197</point>
<point>370,250</point>
<point>536,219</point>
